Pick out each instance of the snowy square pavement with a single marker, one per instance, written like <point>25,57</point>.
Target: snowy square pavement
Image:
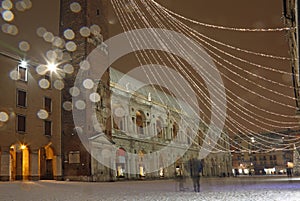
<point>273,188</point>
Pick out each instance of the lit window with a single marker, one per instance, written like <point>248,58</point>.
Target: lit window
<point>22,70</point>
<point>21,98</point>
<point>21,123</point>
<point>48,127</point>
<point>48,104</point>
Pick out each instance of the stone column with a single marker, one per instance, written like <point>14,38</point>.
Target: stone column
<point>4,168</point>
<point>34,165</point>
<point>58,168</point>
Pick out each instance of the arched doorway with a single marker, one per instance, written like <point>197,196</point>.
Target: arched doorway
<point>121,163</point>
<point>179,167</point>
<point>47,163</point>
<point>141,164</point>
<point>19,162</point>
<point>161,166</point>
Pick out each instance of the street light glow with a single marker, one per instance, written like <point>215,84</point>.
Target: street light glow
<point>52,67</point>
<point>22,147</point>
<point>23,64</point>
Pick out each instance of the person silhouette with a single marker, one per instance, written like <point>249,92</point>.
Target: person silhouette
<point>195,170</point>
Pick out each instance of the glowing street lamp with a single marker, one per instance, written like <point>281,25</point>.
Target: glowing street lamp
<point>22,147</point>
<point>51,67</point>
<point>24,64</point>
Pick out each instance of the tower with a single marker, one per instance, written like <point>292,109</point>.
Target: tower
<point>91,15</point>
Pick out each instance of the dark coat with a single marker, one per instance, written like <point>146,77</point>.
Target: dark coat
<point>195,167</point>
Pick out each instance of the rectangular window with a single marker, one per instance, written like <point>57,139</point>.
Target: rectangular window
<point>48,127</point>
<point>48,104</point>
<point>22,71</point>
<point>21,123</point>
<point>21,98</point>
<point>74,157</point>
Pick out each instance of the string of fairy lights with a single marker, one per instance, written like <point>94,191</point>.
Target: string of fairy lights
<point>125,26</point>
<point>220,27</point>
<point>254,114</point>
<point>290,122</point>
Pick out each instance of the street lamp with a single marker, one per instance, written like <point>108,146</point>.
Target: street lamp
<point>24,64</point>
<point>51,67</point>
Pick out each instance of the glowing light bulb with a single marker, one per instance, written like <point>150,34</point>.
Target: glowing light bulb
<point>22,147</point>
<point>52,67</point>
<point>23,64</point>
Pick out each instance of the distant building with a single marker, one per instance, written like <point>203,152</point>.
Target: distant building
<point>264,153</point>
<point>30,124</point>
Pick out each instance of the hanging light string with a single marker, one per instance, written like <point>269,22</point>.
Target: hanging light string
<point>246,113</point>
<point>179,27</point>
<point>123,19</point>
<point>163,20</point>
<point>197,34</point>
<point>237,48</point>
<point>222,27</point>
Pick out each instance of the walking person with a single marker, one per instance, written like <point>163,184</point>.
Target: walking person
<point>195,170</point>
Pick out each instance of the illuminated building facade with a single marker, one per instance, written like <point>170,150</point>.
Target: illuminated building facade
<point>126,130</point>
<point>30,140</point>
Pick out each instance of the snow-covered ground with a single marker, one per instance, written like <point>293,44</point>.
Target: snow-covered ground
<point>232,189</point>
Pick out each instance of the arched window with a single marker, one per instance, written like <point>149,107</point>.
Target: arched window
<point>175,130</point>
<point>159,128</point>
<point>140,121</point>
<point>121,162</point>
<point>118,117</point>
<point>142,171</point>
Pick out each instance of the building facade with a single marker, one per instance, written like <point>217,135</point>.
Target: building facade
<point>129,120</point>
<point>30,125</point>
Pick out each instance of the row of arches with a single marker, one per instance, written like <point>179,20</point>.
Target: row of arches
<point>20,162</point>
<point>122,163</point>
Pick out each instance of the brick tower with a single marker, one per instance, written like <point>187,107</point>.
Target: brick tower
<point>74,15</point>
